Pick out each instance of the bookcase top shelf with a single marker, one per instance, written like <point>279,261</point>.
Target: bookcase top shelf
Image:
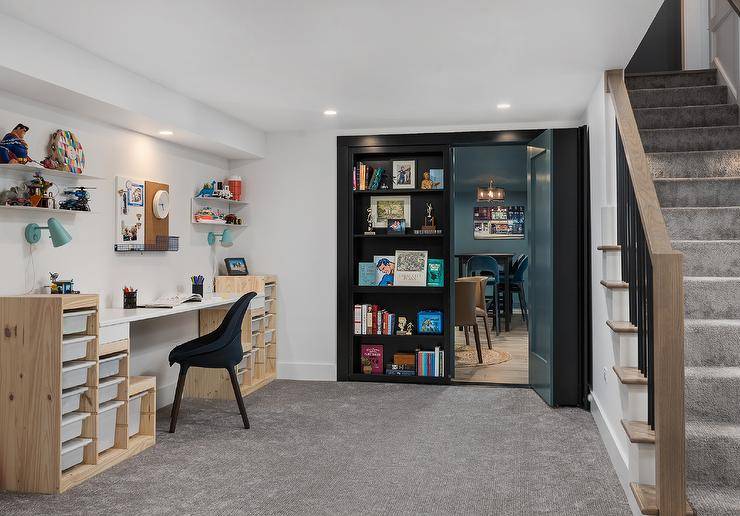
<point>407,235</point>
<point>398,191</point>
<point>399,290</point>
<point>358,377</point>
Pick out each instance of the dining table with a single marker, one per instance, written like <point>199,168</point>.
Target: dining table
<point>504,259</point>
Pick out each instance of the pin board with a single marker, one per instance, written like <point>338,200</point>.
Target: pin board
<point>130,199</point>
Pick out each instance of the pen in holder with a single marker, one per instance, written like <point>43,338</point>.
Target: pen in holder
<point>129,298</point>
<point>197,283</point>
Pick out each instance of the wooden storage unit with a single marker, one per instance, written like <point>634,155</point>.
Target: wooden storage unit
<point>259,366</point>
<point>35,333</point>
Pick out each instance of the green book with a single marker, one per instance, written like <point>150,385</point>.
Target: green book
<point>366,274</point>
<point>435,272</point>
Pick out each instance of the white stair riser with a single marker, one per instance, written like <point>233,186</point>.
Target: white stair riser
<point>608,225</point>
<point>625,349</point>
<point>634,402</point>
<point>642,463</point>
<point>611,266</point>
<point>618,304</point>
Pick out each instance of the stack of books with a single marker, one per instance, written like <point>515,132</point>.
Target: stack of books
<point>365,177</point>
<point>372,320</point>
<point>430,363</point>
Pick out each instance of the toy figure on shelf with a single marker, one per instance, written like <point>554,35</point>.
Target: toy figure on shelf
<point>429,219</point>
<point>370,230</point>
<point>401,326</point>
<point>79,199</point>
<point>61,286</point>
<point>13,147</point>
<point>206,191</point>
<point>38,189</point>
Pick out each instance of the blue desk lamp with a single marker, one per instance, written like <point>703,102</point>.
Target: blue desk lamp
<point>59,236</point>
<point>227,239</point>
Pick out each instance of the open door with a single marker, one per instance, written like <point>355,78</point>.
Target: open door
<point>541,306</point>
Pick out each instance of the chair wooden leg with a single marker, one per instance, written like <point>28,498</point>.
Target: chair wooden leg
<point>476,333</point>
<point>238,395</point>
<point>467,336</point>
<point>178,397</point>
<point>488,331</point>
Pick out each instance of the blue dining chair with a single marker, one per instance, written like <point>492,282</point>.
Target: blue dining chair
<point>488,266</point>
<point>517,286</point>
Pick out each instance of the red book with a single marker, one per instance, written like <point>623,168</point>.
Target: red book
<point>374,354</point>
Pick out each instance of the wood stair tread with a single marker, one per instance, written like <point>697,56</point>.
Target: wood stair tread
<point>630,375</point>
<point>639,432</point>
<point>607,248</point>
<point>615,284</point>
<point>622,326</point>
<point>137,384</point>
<point>647,501</point>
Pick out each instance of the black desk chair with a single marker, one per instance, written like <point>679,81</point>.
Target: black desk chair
<point>221,348</point>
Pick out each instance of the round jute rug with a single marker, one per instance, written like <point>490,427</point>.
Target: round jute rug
<point>467,356</point>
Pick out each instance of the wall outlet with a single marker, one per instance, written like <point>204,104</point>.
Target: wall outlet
<point>603,373</point>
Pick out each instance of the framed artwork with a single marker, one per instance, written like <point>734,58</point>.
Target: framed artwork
<point>404,174</point>
<point>236,266</point>
<point>411,269</point>
<point>384,207</point>
<point>498,222</point>
<point>397,226</point>
<point>385,269</point>
<point>135,194</point>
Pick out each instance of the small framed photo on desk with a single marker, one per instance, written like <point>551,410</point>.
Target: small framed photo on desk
<point>236,266</point>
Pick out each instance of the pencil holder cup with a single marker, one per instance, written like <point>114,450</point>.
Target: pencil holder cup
<point>198,289</point>
<point>129,299</point>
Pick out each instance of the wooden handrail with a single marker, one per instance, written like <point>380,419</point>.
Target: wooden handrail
<point>667,311</point>
<point>735,4</point>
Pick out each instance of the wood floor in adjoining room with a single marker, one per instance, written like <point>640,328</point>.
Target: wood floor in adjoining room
<point>515,342</point>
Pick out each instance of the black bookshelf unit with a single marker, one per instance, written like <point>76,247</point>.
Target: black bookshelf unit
<point>355,247</point>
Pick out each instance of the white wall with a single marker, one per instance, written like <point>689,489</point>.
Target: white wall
<point>89,259</point>
<point>725,44</point>
<point>696,34</point>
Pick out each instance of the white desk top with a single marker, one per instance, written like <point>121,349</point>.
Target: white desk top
<point>111,316</point>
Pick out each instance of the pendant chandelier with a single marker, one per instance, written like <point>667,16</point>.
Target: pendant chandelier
<point>490,193</point>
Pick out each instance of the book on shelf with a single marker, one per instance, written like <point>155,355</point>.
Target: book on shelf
<point>427,232</point>
<point>430,363</point>
<point>435,272</point>
<point>365,177</point>
<point>372,320</point>
<point>371,357</point>
<point>366,274</point>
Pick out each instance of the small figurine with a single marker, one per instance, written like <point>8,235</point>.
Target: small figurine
<point>370,230</point>
<point>38,188</point>
<point>426,182</point>
<point>13,148</point>
<point>401,326</point>
<point>429,221</point>
<point>410,328</point>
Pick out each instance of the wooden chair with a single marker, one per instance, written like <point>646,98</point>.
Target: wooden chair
<point>480,304</point>
<point>466,300</point>
<point>487,266</point>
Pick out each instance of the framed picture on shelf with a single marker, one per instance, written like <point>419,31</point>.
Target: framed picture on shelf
<point>404,174</point>
<point>236,266</point>
<point>411,269</point>
<point>390,207</point>
<point>385,270</point>
<point>366,276</point>
<point>396,226</point>
<point>429,322</point>
<point>433,179</point>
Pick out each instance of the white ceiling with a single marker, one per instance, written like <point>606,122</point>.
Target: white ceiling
<point>277,64</point>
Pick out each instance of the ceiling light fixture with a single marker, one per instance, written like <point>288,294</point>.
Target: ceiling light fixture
<point>490,193</point>
<point>503,105</point>
<point>166,133</point>
<point>330,112</point>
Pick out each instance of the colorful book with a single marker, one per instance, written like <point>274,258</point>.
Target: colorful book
<point>374,354</point>
<point>435,272</point>
<point>385,270</point>
<point>366,274</point>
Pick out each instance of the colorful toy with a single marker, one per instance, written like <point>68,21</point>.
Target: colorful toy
<point>79,199</point>
<point>66,149</point>
<point>38,189</point>
<point>206,214</point>
<point>13,148</point>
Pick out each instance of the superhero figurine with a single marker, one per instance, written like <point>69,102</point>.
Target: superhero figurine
<point>13,148</point>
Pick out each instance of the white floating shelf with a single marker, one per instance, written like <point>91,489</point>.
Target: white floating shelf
<point>49,210</point>
<point>210,223</point>
<point>220,200</point>
<point>17,171</point>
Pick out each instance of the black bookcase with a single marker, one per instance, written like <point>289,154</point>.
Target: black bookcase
<point>356,247</point>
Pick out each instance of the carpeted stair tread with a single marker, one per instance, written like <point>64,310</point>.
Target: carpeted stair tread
<point>713,500</point>
<point>709,257</point>
<point>687,116</point>
<point>691,139</point>
<point>712,342</point>
<point>713,394</point>
<point>683,96</point>
<point>711,297</point>
<point>709,223</point>
<point>698,192</point>
<point>639,81</point>
<point>720,163</point>
<point>712,450</point>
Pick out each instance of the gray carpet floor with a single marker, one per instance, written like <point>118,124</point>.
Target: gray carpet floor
<point>359,448</point>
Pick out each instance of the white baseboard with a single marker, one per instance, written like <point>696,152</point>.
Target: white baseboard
<point>619,461</point>
<point>724,79</point>
<point>318,371</point>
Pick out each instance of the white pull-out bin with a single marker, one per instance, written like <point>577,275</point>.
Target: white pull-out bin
<point>110,366</point>
<point>258,323</point>
<point>75,373</point>
<point>134,413</point>
<point>107,424</point>
<point>257,302</point>
<point>75,322</point>
<point>246,362</point>
<point>75,348</point>
<point>72,425</point>
<point>71,399</point>
<point>108,388</point>
<point>268,336</point>
<point>73,452</point>
<point>270,290</point>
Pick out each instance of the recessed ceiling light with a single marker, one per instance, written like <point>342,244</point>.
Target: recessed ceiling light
<point>503,105</point>
<point>166,133</point>
<point>330,112</point>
